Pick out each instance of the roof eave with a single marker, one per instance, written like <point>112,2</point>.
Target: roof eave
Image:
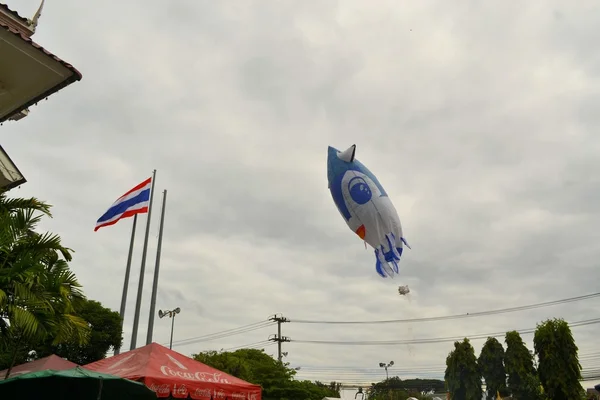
<point>16,183</point>
<point>75,77</point>
<point>16,16</point>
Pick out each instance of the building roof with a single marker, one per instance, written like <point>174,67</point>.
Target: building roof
<point>10,178</point>
<point>40,48</point>
<point>75,76</point>
<point>14,14</point>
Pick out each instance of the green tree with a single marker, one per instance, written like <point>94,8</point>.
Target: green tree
<point>423,386</point>
<point>463,377</point>
<point>106,334</point>
<point>559,369</point>
<point>105,325</point>
<point>276,379</point>
<point>389,389</point>
<point>38,292</point>
<point>305,389</point>
<point>395,388</point>
<point>233,363</point>
<point>491,365</point>
<point>333,388</point>
<point>523,382</point>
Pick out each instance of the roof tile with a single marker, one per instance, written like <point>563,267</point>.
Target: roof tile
<point>40,48</point>
<point>14,14</point>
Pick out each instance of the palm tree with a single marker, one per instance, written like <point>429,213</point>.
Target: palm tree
<point>37,289</point>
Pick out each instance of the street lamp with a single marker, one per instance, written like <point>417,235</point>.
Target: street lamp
<point>171,314</point>
<point>360,391</point>
<point>384,365</point>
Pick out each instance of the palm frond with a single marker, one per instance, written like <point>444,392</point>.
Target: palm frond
<point>38,291</point>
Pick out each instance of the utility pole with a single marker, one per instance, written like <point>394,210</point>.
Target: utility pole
<point>278,338</point>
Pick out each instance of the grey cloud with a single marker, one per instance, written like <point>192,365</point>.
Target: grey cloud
<point>479,120</point>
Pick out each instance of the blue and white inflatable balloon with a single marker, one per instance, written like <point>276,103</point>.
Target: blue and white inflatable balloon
<point>366,207</point>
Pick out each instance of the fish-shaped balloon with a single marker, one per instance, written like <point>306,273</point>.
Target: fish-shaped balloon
<point>366,207</point>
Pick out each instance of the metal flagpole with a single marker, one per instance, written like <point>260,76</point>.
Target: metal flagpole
<point>138,303</point>
<point>156,271</point>
<point>127,273</point>
<point>172,327</point>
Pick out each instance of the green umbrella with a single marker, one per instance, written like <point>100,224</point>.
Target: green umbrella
<point>72,384</point>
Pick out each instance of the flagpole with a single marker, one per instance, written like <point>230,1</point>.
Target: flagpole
<point>127,273</point>
<point>156,271</point>
<point>138,303</point>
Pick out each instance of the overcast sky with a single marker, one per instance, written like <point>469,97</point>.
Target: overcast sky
<point>480,120</point>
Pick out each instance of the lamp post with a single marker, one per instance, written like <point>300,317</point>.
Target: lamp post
<point>384,365</point>
<point>360,391</point>
<point>171,314</point>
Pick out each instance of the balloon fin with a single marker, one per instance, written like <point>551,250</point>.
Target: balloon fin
<point>405,243</point>
<point>383,266</point>
<point>348,154</point>
<point>379,269</point>
<point>395,266</point>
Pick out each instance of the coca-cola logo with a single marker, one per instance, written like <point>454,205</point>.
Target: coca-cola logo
<point>161,389</point>
<point>180,390</point>
<point>115,370</point>
<point>176,362</point>
<point>252,396</point>
<point>214,377</point>
<point>238,396</point>
<point>202,393</point>
<point>220,394</point>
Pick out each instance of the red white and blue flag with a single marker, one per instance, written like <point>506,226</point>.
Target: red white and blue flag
<point>133,202</point>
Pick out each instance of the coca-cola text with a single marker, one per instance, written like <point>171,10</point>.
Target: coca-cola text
<point>198,376</point>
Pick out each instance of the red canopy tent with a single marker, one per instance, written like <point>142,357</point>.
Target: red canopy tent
<point>51,362</point>
<point>169,373</point>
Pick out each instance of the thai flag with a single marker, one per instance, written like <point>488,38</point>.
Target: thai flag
<point>133,202</point>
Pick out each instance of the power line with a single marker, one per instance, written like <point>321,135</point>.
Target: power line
<point>405,370</point>
<point>433,340</point>
<point>456,316</point>
<point>400,373</point>
<point>337,376</point>
<point>225,333</point>
<point>256,345</point>
<point>217,336</point>
<point>278,337</point>
<point>271,321</point>
<point>590,365</point>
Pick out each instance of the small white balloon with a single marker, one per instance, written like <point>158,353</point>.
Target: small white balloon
<point>403,290</point>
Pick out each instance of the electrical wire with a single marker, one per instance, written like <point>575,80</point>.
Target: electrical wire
<point>590,365</point>
<point>266,323</point>
<point>395,371</point>
<point>404,374</point>
<point>254,324</point>
<point>367,378</point>
<point>456,316</point>
<point>224,334</point>
<point>256,345</point>
<point>432,340</point>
